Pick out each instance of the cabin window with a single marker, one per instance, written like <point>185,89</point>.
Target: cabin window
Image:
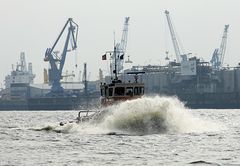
<point>142,90</point>
<point>105,91</point>
<point>129,91</point>
<point>119,91</point>
<point>136,91</point>
<point>110,91</point>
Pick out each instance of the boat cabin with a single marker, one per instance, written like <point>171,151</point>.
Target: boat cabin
<point>119,91</point>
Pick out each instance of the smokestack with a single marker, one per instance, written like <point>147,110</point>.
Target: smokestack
<point>45,76</point>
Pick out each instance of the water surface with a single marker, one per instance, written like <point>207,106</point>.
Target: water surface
<point>149,131</point>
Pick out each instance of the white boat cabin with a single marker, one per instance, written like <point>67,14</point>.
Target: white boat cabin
<point>118,91</point>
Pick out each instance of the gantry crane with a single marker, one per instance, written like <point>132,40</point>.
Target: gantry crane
<point>180,56</point>
<point>219,53</point>
<point>57,62</point>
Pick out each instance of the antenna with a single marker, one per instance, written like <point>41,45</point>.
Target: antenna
<point>128,60</point>
<point>167,58</point>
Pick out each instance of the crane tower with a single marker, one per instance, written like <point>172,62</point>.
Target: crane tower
<point>57,62</point>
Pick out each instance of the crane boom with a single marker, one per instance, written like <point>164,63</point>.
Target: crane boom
<point>57,62</point>
<point>219,53</point>
<point>121,48</point>
<point>123,44</point>
<point>173,36</point>
<point>180,56</point>
<point>223,45</point>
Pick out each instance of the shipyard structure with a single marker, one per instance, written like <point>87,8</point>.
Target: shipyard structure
<point>195,83</point>
<point>198,83</point>
<point>22,94</point>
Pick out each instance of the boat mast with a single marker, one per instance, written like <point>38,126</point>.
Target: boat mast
<point>115,59</point>
<point>115,65</point>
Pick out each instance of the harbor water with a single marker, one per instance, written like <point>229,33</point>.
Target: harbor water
<point>146,131</point>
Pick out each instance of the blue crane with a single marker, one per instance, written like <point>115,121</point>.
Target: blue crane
<point>57,62</point>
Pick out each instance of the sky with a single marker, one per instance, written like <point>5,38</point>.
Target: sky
<point>32,26</point>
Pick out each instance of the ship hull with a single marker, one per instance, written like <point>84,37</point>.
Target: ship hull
<point>13,105</point>
<point>211,100</point>
<point>49,103</point>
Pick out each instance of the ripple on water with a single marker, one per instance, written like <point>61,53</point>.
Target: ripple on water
<point>202,162</point>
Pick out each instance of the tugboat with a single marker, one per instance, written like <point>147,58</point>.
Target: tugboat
<point>118,91</point>
<point>115,92</point>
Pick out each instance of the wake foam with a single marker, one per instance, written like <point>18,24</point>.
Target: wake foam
<point>146,115</point>
<point>73,127</point>
<point>151,115</point>
<point>67,128</point>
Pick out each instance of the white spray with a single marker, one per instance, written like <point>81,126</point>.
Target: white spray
<point>146,115</point>
<point>150,115</point>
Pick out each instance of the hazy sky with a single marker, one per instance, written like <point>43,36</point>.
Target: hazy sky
<point>32,26</point>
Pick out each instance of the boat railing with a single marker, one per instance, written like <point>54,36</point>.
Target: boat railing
<point>86,117</point>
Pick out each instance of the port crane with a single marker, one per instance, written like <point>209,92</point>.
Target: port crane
<point>219,53</point>
<point>121,48</point>
<point>57,62</point>
<point>180,56</point>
